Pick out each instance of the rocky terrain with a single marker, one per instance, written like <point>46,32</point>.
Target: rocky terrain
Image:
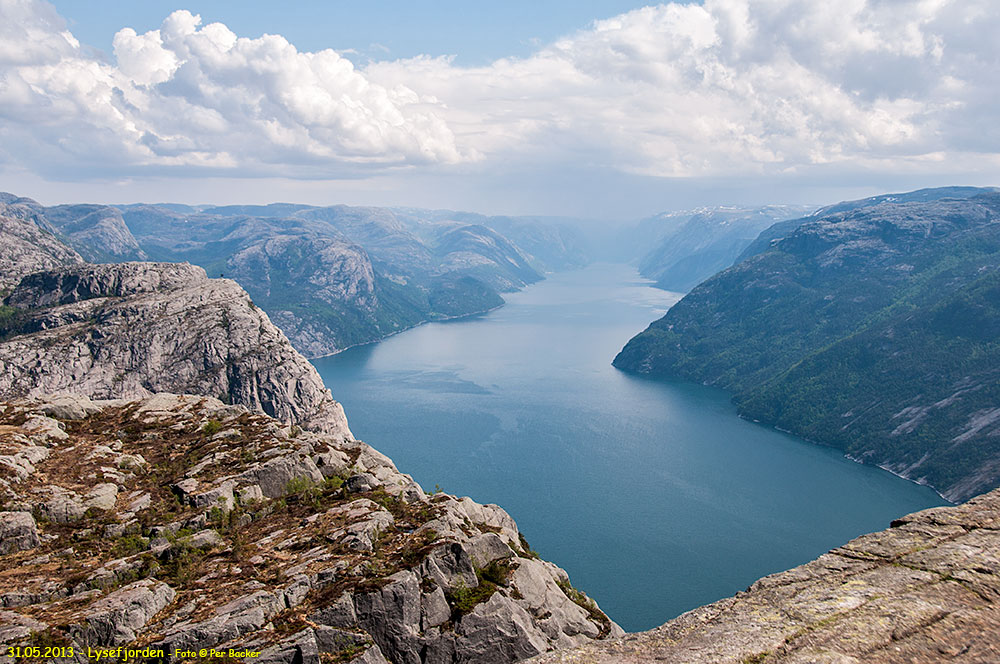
<point>873,330</point>
<point>925,591</point>
<point>784,228</point>
<point>133,329</point>
<point>27,247</point>
<point>179,523</point>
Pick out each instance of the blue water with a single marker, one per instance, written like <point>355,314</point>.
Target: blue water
<point>654,496</point>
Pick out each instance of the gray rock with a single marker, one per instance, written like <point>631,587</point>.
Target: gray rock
<point>361,483</point>
<point>450,566</point>
<point>18,532</point>
<point>434,609</point>
<point>392,617</point>
<point>339,614</point>
<point>499,631</point>
<point>206,539</point>
<point>274,475</point>
<point>27,248</point>
<point>487,548</point>
<point>101,497</point>
<point>63,506</point>
<point>68,406</point>
<point>115,619</point>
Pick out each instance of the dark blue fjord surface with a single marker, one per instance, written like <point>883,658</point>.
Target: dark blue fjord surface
<point>654,496</point>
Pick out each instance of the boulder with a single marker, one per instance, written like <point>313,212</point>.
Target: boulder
<point>18,532</point>
<point>115,619</point>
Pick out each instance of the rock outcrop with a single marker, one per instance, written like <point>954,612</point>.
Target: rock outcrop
<point>185,523</point>
<point>134,329</point>
<point>927,590</point>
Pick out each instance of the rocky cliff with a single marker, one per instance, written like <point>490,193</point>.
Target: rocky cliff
<point>180,523</point>
<point>925,591</point>
<point>873,330</point>
<point>133,329</point>
<point>25,247</point>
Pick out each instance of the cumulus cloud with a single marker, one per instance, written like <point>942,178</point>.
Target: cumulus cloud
<point>725,87</point>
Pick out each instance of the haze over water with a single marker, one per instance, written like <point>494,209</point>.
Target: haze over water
<point>654,496</point>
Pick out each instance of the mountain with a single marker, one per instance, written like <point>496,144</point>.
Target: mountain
<point>549,243</point>
<point>783,228</point>
<point>330,277</point>
<point>98,232</point>
<point>680,249</point>
<point>873,330</point>
<point>338,276</point>
<point>132,329</point>
<point>926,590</point>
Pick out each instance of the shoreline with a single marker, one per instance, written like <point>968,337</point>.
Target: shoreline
<point>405,329</point>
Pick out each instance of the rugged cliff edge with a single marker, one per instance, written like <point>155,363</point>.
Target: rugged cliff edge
<point>925,591</point>
<point>133,329</point>
<point>180,523</point>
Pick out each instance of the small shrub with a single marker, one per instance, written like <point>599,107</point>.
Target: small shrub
<point>127,545</point>
<point>211,427</point>
<point>463,599</point>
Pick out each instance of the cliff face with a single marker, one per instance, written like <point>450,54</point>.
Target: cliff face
<point>872,330</point>
<point>133,329</point>
<point>27,248</point>
<point>925,591</point>
<point>181,523</point>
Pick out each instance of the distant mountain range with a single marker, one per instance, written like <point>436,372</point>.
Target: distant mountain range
<point>872,326</point>
<point>330,277</point>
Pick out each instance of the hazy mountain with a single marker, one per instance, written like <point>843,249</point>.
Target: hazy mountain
<point>874,330</point>
<point>690,246</point>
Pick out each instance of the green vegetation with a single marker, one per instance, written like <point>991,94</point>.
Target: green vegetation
<point>13,321</point>
<point>211,427</point>
<point>877,333</point>
<point>129,544</point>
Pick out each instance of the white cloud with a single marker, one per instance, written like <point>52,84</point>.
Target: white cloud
<point>727,87</point>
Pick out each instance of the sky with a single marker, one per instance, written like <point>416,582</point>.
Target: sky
<point>596,108</point>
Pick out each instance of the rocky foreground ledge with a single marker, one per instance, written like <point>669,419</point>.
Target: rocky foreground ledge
<point>927,590</point>
<point>177,523</point>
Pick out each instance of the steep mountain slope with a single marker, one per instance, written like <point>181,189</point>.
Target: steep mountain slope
<point>680,249</point>
<point>925,591</point>
<point>876,331</point>
<point>98,232</point>
<point>179,523</point>
<point>133,329</point>
<point>25,248</point>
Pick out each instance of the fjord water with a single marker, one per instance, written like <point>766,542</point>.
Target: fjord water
<point>654,496</point>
